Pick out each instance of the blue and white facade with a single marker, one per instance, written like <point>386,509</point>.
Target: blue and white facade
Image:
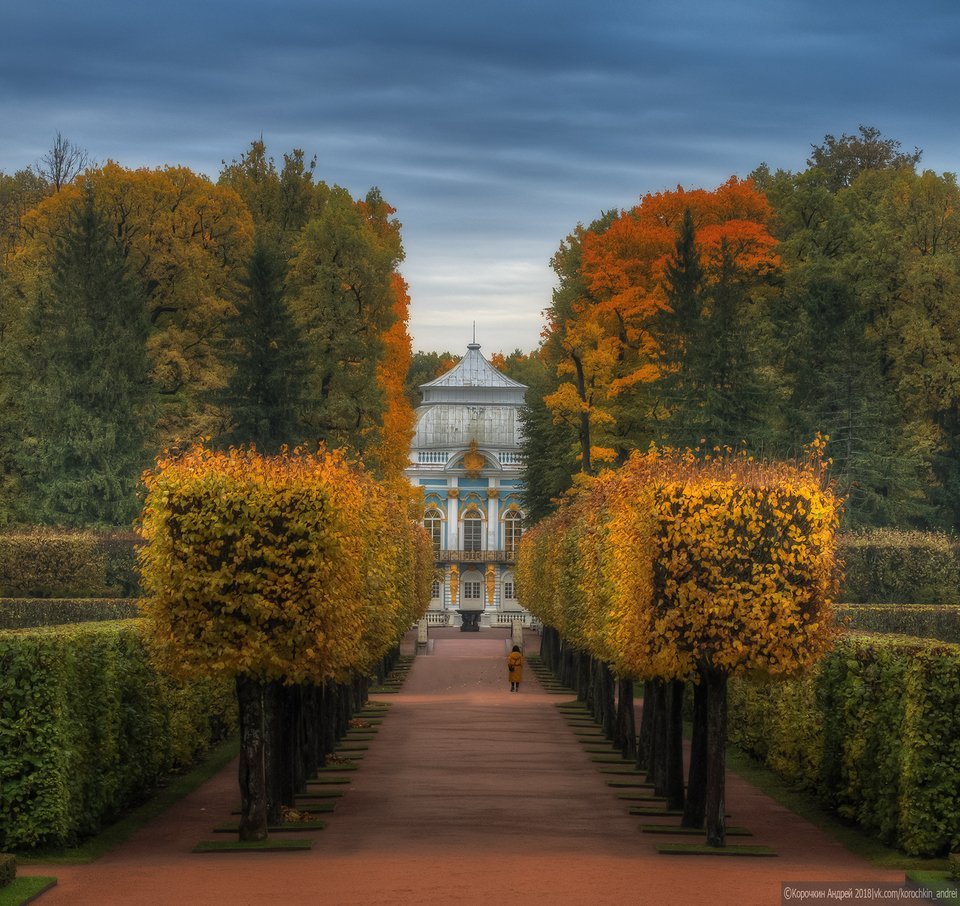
<point>466,458</point>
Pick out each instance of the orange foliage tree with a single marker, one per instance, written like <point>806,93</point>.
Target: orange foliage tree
<point>604,338</point>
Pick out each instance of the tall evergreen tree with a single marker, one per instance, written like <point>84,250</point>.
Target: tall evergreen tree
<point>266,355</point>
<point>86,394</point>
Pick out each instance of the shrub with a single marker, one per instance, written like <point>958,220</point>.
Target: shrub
<point>8,869</point>
<point>24,613</point>
<point>894,567</point>
<point>88,728</point>
<point>53,563</point>
<point>927,621</point>
<point>874,733</point>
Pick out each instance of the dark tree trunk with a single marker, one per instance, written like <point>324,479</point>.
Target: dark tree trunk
<point>658,748</point>
<point>608,717</point>
<point>626,721</point>
<point>251,696</point>
<point>694,811</point>
<point>276,751</point>
<point>674,744</point>
<point>584,673</point>
<point>645,739</point>
<point>716,756</point>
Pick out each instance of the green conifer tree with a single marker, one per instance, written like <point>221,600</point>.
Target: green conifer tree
<point>86,393</point>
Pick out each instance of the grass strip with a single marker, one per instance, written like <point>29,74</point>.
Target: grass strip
<point>258,846</point>
<point>25,889</point>
<point>937,881</point>
<point>701,849</point>
<point>640,797</point>
<point>177,786</point>
<point>632,784</point>
<point>275,828</point>
<point>656,812</point>
<point>690,831</point>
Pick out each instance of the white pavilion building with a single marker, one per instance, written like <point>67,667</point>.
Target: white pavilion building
<point>466,457</point>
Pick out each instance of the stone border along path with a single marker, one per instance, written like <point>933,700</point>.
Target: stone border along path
<point>468,794</point>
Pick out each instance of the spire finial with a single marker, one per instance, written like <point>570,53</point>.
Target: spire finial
<point>474,331</point>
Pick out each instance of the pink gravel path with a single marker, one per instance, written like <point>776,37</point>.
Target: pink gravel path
<point>469,794</point>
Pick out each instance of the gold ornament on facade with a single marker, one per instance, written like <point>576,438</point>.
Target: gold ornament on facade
<point>473,461</point>
<point>453,492</point>
<point>454,584</point>
<point>491,582</point>
<point>493,493</point>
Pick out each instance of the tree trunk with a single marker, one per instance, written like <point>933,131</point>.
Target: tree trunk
<point>695,809</point>
<point>673,779</point>
<point>609,716</point>
<point>658,747</point>
<point>716,756</point>
<point>645,739</point>
<point>251,696</point>
<point>626,720</point>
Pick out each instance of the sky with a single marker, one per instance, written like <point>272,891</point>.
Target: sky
<point>494,128</point>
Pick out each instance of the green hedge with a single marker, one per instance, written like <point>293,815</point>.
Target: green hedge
<point>54,563</point>
<point>874,732</point>
<point>8,869</point>
<point>25,613</point>
<point>894,567</point>
<point>925,621</point>
<point>88,728</point>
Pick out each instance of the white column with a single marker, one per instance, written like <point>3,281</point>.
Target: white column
<point>493,514</point>
<point>453,524</point>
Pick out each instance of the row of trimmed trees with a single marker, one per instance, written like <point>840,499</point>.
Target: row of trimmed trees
<point>294,574</point>
<point>674,570</point>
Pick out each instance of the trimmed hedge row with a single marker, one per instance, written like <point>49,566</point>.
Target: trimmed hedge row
<point>873,732</point>
<point>55,563</point>
<point>925,621</point>
<point>26,613</point>
<point>894,567</point>
<point>88,728</point>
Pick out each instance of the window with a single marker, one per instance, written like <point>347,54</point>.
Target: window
<point>435,589</point>
<point>512,531</point>
<point>508,591</point>
<point>472,531</point>
<point>433,523</point>
<point>472,591</point>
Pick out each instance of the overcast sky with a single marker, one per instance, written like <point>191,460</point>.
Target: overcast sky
<point>493,127</point>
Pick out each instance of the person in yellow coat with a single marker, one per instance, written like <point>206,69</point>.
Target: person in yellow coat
<point>515,668</point>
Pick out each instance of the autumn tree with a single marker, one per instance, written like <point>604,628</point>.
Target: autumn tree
<point>839,161</point>
<point>186,242</point>
<point>86,401</point>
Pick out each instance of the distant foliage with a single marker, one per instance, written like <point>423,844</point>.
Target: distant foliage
<point>898,567</point>
<point>24,613</point>
<point>58,563</point>
<point>874,732</point>
<point>88,728</point>
<point>925,621</point>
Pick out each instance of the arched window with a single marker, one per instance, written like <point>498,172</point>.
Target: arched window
<point>472,530</point>
<point>435,590</point>
<point>433,522</point>
<point>512,531</point>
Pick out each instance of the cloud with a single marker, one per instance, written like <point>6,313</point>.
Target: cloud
<point>493,128</point>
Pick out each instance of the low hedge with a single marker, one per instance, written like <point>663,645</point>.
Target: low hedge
<point>939,621</point>
<point>895,567</point>
<point>56,563</point>
<point>88,728</point>
<point>874,732</point>
<point>25,613</point>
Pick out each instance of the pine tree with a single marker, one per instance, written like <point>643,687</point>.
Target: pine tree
<point>87,398</point>
<point>267,359</point>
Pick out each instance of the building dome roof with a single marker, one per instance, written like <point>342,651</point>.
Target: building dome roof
<point>471,402</point>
